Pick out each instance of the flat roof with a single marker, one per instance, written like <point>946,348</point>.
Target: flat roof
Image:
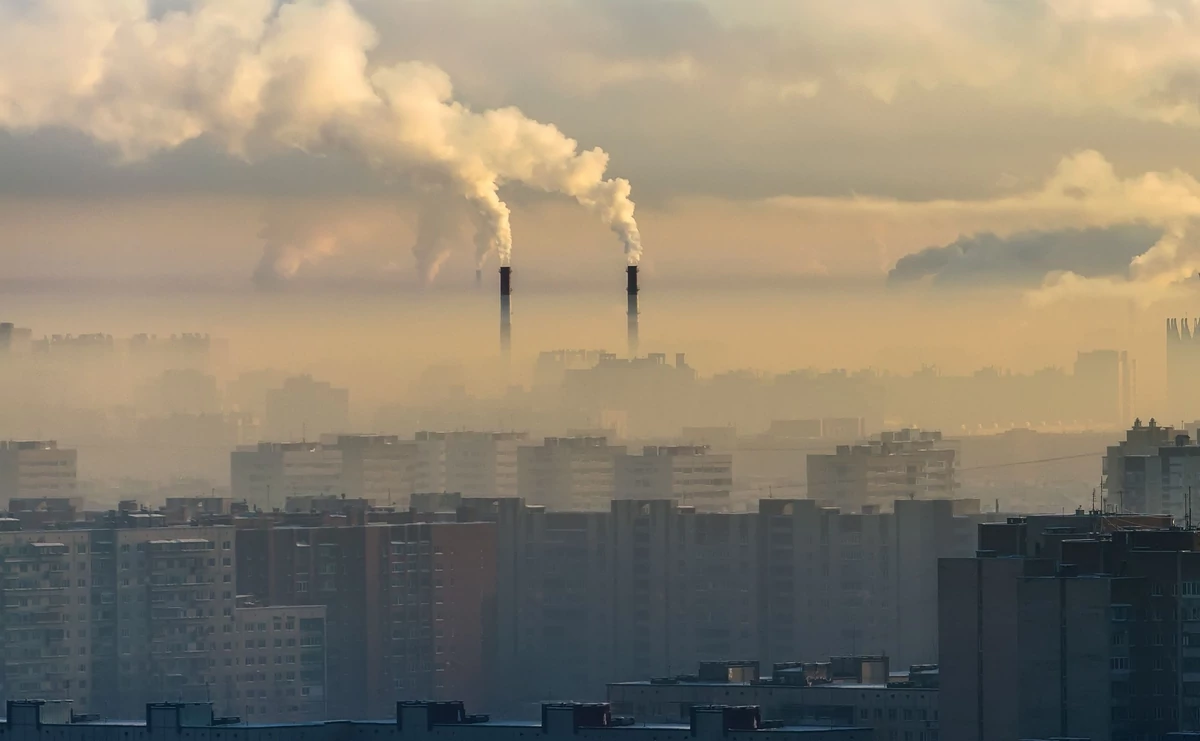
<point>768,685</point>
<point>487,724</point>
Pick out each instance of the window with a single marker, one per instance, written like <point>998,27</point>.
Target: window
<point>1119,664</point>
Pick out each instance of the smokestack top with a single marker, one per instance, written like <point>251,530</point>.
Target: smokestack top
<point>505,281</point>
<point>632,284</point>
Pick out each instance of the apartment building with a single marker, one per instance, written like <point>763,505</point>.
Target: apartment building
<point>375,467</point>
<point>691,474</point>
<point>172,591</point>
<point>114,618</point>
<point>568,473</point>
<point>36,469</point>
<point>904,464</point>
<point>408,606</point>
<point>1154,469</point>
<point>855,582</point>
<point>554,613</point>
<point>304,408</point>
<point>649,588</point>
<point>483,464</point>
<point>46,593</point>
<point>274,664</point>
<point>265,475</point>
<point>1091,639</point>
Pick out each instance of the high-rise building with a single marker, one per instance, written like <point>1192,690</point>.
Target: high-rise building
<point>44,600</point>
<point>36,469</point>
<point>408,606</point>
<point>375,467</point>
<point>1098,381</point>
<point>852,583</point>
<point>267,474</point>
<point>483,464</point>
<point>1087,638</point>
<point>568,473</point>
<point>691,474</point>
<point>172,595</point>
<point>1183,365</point>
<point>1154,469</point>
<point>305,408</point>
<point>274,664</point>
<point>649,588</point>
<point>906,464</point>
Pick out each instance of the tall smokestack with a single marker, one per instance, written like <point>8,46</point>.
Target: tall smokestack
<point>505,310</point>
<point>478,278</point>
<point>631,289</point>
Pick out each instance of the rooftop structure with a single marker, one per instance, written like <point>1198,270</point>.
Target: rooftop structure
<point>36,720</point>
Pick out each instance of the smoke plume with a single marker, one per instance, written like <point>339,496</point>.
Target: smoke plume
<point>253,77</point>
<point>294,239</point>
<point>1027,258</point>
<point>436,230</point>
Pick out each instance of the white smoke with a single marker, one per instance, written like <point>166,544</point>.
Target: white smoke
<point>293,239</point>
<point>255,77</point>
<point>436,231</point>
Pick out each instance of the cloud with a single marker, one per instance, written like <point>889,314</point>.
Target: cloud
<point>1064,55</point>
<point>1027,258</point>
<point>255,76</point>
<point>1085,229</point>
<point>1083,191</point>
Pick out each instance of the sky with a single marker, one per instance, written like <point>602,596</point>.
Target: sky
<point>1042,150</point>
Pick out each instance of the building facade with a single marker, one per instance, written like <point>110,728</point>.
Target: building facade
<point>267,474</point>
<point>906,464</point>
<point>568,473</point>
<point>36,469</point>
<point>1154,469</point>
<point>691,474</point>
<point>409,607</point>
<point>1089,639</point>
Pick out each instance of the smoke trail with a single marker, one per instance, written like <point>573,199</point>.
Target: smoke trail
<point>283,256</point>
<point>254,78</point>
<point>293,238</point>
<point>435,227</point>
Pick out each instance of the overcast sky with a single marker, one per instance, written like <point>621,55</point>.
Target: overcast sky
<point>803,138</point>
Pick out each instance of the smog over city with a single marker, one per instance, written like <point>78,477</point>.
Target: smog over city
<point>676,368</point>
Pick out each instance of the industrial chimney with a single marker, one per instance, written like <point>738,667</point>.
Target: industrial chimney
<point>505,309</point>
<point>478,278</point>
<point>631,289</point>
